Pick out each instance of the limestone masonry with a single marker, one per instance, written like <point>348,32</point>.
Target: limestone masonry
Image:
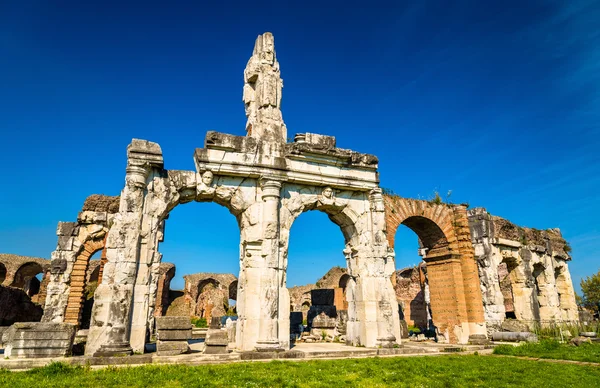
<point>478,270</point>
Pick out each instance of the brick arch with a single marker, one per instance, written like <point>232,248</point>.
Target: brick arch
<point>455,294</point>
<point>433,223</point>
<point>78,280</point>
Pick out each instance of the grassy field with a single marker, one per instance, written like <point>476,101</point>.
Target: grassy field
<point>441,371</point>
<point>554,350</point>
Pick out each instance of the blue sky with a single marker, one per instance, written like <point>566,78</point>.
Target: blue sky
<point>499,103</point>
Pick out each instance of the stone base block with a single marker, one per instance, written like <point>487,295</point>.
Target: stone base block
<point>39,340</point>
<point>173,323</point>
<point>172,348</point>
<point>117,349</point>
<point>174,335</point>
<point>216,337</point>
<point>216,349</point>
<point>478,339</point>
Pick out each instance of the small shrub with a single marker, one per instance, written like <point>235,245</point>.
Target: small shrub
<point>199,322</point>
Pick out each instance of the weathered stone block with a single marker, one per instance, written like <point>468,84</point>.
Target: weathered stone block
<point>35,340</point>
<point>174,335</point>
<point>216,337</point>
<point>173,323</point>
<point>323,321</point>
<point>66,228</point>
<point>514,326</point>
<point>171,348</point>
<point>216,342</point>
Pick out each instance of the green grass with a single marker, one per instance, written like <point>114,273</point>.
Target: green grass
<point>554,350</point>
<point>441,371</point>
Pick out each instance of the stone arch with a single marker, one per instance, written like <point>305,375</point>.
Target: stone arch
<point>25,273</point>
<point>78,281</point>
<point>359,215</point>
<point>452,273</point>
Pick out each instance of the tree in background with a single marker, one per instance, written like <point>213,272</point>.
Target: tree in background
<point>590,288</point>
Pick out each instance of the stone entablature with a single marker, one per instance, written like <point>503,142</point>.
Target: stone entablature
<point>523,271</point>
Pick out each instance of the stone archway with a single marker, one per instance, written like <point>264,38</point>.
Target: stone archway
<point>443,231</point>
<point>78,280</point>
<point>24,276</point>
<point>368,287</point>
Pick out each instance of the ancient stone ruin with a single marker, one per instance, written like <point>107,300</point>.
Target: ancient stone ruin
<point>478,270</point>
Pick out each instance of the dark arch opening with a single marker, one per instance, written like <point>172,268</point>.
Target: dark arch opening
<point>431,237</point>
<point>91,284</point>
<point>25,278</point>
<point>2,272</point>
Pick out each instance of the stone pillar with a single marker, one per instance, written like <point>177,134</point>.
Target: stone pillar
<point>111,315</point>
<point>388,318</point>
<point>61,267</point>
<point>448,306</point>
<point>470,273</point>
<point>268,336</point>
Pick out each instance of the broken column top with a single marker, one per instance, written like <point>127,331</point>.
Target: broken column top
<point>262,92</point>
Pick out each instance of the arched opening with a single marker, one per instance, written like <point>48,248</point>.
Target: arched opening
<point>92,274</point>
<point>409,280</point>
<point>418,238</point>
<point>316,268</point>
<point>25,278</point>
<point>2,273</point>
<point>81,291</point>
<point>505,282</point>
<point>202,241</point>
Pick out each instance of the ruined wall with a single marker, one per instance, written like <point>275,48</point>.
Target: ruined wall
<point>77,243</point>
<point>21,292</point>
<point>523,271</point>
<point>410,294</point>
<point>166,272</point>
<point>208,294</point>
<point>336,279</point>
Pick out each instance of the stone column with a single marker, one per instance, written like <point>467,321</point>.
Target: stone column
<point>388,318</point>
<point>110,327</point>
<point>268,339</point>
<point>471,284</point>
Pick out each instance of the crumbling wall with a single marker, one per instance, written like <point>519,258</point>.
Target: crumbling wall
<point>523,271</point>
<point>208,294</point>
<point>77,242</point>
<point>410,293</point>
<point>166,273</point>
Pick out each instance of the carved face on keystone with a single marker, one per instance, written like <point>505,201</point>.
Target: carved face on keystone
<point>207,178</point>
<point>327,192</point>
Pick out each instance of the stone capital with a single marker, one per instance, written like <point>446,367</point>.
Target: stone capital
<point>271,189</point>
